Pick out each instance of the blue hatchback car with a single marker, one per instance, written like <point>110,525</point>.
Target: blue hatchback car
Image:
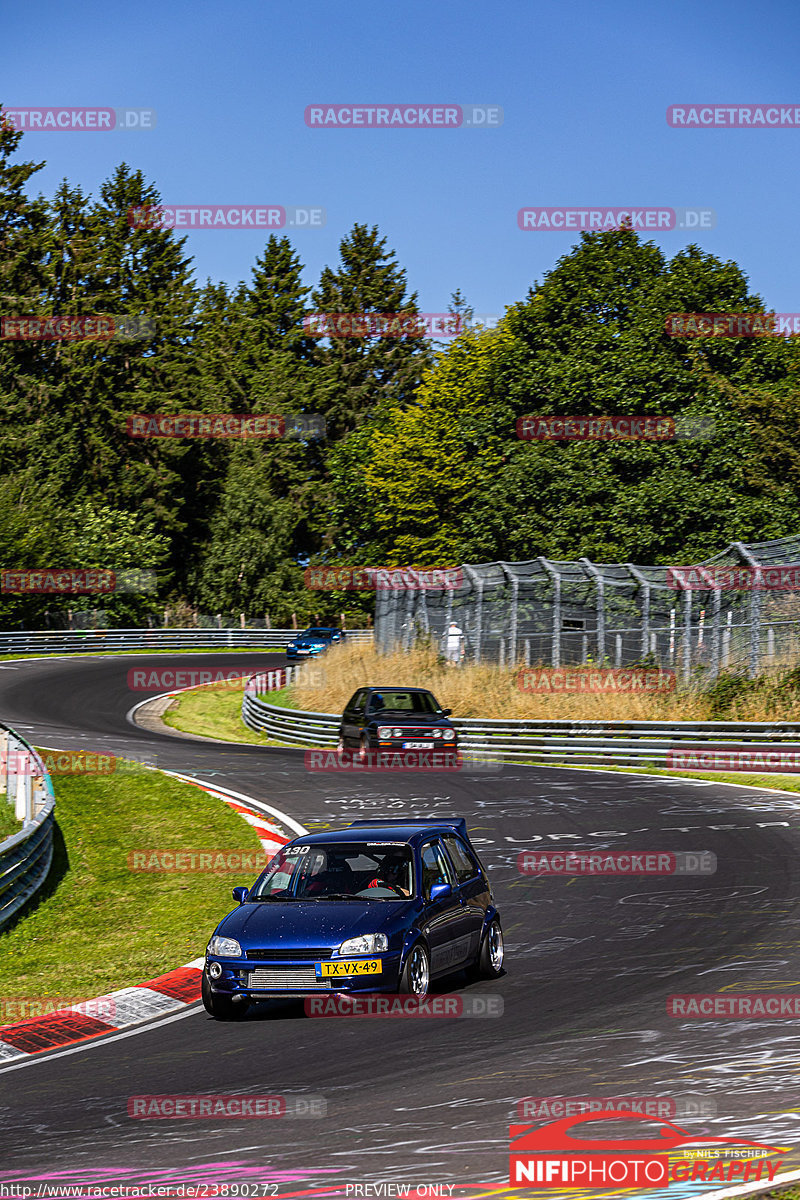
<point>312,642</point>
<point>381,906</point>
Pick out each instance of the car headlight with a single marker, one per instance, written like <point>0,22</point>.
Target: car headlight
<point>437,733</point>
<point>449,734</point>
<point>384,732</point>
<point>397,732</point>
<point>368,943</point>
<point>224,947</point>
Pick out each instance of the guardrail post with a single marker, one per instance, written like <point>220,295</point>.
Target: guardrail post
<point>555,642</point>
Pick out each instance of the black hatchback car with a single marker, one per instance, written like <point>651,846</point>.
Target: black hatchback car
<point>396,718</point>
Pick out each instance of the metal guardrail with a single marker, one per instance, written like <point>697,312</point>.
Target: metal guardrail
<point>98,640</point>
<point>584,743</point>
<point>25,857</point>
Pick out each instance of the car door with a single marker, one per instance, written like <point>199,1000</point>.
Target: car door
<point>472,890</point>
<point>353,718</point>
<point>443,921</point>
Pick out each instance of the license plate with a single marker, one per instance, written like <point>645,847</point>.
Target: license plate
<point>364,966</point>
<point>417,745</point>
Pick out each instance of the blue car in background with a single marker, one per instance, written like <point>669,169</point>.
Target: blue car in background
<point>313,641</point>
<point>381,906</point>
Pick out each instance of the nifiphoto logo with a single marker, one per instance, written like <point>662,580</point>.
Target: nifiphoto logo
<point>596,219</point>
<point>77,120</point>
<point>403,116</point>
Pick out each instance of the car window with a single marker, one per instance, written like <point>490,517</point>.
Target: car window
<point>435,868</point>
<point>404,702</point>
<point>356,701</point>
<point>465,868</point>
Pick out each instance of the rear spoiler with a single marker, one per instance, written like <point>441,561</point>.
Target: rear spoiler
<point>457,823</point>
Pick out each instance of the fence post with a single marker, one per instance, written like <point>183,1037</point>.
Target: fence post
<point>555,640</point>
<point>601,611</point>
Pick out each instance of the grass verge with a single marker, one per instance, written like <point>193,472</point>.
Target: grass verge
<point>97,925</point>
<point>215,711</point>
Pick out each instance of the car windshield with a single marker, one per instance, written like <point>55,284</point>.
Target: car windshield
<point>320,633</point>
<point>342,870</point>
<point>413,703</point>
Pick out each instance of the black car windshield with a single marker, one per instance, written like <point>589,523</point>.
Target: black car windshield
<point>413,703</point>
<point>320,633</point>
<point>366,870</point>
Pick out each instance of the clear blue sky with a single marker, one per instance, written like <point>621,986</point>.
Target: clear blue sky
<point>584,86</point>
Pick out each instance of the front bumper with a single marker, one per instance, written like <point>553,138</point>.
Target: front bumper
<point>275,978</point>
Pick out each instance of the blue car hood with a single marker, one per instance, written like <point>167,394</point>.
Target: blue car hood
<point>298,923</point>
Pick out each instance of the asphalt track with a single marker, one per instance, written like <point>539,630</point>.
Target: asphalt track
<point>590,963</point>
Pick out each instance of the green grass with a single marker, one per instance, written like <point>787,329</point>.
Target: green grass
<point>8,822</point>
<point>97,925</point>
<point>216,712</point>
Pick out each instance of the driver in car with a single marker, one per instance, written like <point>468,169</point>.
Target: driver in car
<point>392,874</point>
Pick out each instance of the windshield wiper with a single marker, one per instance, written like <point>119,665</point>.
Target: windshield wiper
<point>334,896</point>
<point>267,899</point>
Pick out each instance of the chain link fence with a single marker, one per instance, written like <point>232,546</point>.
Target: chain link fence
<point>738,611</point>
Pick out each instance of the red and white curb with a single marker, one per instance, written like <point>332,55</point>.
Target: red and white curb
<point>157,997</point>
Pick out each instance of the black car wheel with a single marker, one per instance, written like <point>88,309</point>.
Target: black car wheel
<point>221,1007</point>
<point>416,973</point>
<point>489,963</point>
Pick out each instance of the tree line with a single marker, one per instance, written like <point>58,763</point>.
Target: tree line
<point>421,463</point>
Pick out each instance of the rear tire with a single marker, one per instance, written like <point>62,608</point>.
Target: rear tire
<point>221,1007</point>
<point>416,973</point>
<point>489,963</point>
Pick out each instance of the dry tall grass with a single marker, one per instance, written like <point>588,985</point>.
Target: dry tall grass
<point>479,691</point>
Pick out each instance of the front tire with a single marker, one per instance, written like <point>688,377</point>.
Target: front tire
<point>416,973</point>
<point>221,1007</point>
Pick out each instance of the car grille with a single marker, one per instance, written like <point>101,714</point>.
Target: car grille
<point>303,978</point>
<point>269,955</point>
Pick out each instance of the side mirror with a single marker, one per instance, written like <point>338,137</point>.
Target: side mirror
<point>439,890</point>
<point>446,712</point>
<point>240,894</point>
